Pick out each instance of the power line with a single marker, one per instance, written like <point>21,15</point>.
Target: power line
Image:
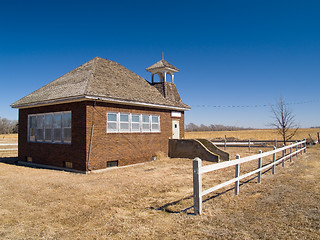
<point>252,106</point>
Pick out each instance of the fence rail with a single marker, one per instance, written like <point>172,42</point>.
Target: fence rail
<point>250,143</point>
<point>198,170</point>
<point>8,149</point>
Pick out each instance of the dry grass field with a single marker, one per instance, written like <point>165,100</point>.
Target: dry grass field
<point>153,201</point>
<point>257,134</point>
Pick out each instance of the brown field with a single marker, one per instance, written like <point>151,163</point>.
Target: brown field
<point>153,201</point>
<point>257,134</point>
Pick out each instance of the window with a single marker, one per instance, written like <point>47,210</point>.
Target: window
<point>145,123</point>
<point>67,127</point>
<point>135,123</point>
<point>129,123</point>
<point>32,128</point>
<point>39,132</point>
<point>67,164</point>
<point>112,163</point>
<point>57,123</point>
<point>50,127</point>
<point>124,122</point>
<point>112,122</point>
<point>155,123</point>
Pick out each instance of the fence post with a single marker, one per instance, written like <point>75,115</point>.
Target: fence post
<point>197,186</point>
<point>273,160</point>
<point>237,174</point>
<point>283,154</point>
<point>318,137</point>
<point>225,142</point>
<point>305,145</point>
<point>301,147</point>
<point>296,149</point>
<point>291,153</point>
<point>275,143</point>
<point>249,145</point>
<point>259,166</point>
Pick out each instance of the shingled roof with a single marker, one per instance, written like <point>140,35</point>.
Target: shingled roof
<point>162,64</point>
<point>100,79</point>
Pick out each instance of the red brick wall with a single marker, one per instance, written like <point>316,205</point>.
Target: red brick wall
<point>55,154</point>
<point>126,148</point>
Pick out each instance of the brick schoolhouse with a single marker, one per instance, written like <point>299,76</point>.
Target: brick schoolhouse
<point>100,115</point>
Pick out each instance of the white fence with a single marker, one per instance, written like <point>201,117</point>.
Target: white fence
<point>8,149</point>
<point>250,143</point>
<point>198,170</point>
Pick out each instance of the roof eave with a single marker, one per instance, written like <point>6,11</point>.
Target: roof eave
<point>95,98</point>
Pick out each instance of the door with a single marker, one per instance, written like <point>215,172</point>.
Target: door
<point>175,129</point>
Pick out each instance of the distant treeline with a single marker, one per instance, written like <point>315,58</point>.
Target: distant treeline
<point>8,126</point>
<point>191,127</point>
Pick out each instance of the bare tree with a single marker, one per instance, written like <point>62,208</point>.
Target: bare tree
<point>8,126</point>
<point>284,120</point>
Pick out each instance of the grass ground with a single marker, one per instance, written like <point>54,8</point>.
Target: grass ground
<point>153,201</point>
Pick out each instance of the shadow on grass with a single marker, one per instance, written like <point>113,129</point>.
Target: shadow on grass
<point>9,160</point>
<point>217,194</point>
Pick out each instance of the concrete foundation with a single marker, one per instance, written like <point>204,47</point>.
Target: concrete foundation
<point>191,148</point>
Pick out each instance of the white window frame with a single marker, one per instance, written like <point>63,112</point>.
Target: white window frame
<point>63,127</point>
<point>145,123</point>
<point>34,129</point>
<point>44,127</point>
<point>139,123</point>
<point>152,123</point>
<point>61,141</point>
<point>110,130</point>
<point>130,123</point>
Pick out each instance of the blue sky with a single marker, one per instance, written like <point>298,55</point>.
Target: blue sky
<point>230,53</point>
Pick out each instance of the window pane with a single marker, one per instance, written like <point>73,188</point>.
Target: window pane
<point>135,127</point>
<point>135,118</point>
<point>32,128</point>
<point>112,127</point>
<point>124,126</point>
<point>40,121</point>
<point>32,134</point>
<point>155,126</point>
<point>145,118</point>
<point>67,119</point>
<point>48,134</point>
<point>33,120</point>
<point>48,121</point>
<point>145,127</point>
<point>112,117</point>
<point>57,134</point>
<point>39,133</point>
<point>124,117</point>
<point>57,120</point>
<point>67,135</point>
<point>155,119</point>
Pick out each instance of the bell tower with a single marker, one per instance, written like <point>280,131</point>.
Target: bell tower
<point>166,88</point>
<point>162,68</point>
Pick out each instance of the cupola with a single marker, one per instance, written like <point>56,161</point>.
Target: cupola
<point>162,68</point>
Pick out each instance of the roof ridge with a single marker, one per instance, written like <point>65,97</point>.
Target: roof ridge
<point>91,74</point>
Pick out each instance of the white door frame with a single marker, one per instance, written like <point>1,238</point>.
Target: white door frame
<point>175,129</point>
